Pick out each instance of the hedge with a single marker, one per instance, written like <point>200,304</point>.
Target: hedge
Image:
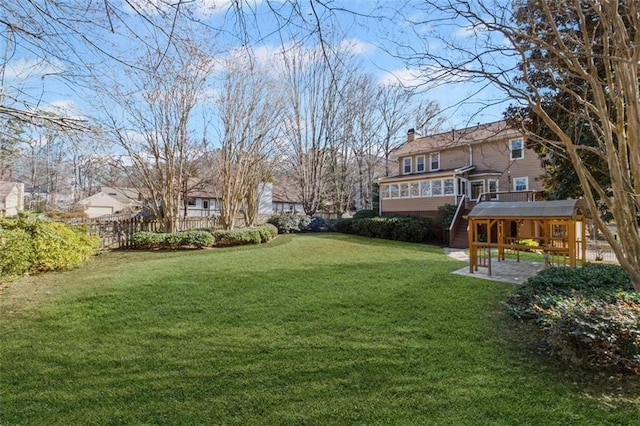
<point>158,240</point>
<point>241,236</point>
<point>202,238</point>
<point>401,228</point>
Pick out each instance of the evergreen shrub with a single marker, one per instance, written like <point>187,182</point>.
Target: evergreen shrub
<point>590,315</point>
<point>288,223</point>
<point>30,244</point>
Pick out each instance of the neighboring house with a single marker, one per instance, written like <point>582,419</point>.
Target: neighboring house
<point>458,165</point>
<point>111,201</point>
<point>286,197</point>
<point>205,200</point>
<point>11,198</point>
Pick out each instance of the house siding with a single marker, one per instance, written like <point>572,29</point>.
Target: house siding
<point>13,201</point>
<point>403,205</point>
<point>490,156</point>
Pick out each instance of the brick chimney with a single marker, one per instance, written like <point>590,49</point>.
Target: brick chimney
<point>412,135</point>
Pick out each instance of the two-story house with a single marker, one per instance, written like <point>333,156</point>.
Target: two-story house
<point>443,168</point>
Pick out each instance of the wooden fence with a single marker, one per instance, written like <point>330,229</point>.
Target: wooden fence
<point>114,234</point>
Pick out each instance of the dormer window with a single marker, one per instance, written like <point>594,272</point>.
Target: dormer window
<point>434,161</point>
<point>420,164</point>
<point>406,166</point>
<point>516,146</point>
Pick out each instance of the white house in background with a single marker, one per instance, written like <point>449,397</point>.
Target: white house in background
<point>11,198</point>
<point>111,201</point>
<point>286,198</point>
<point>207,201</point>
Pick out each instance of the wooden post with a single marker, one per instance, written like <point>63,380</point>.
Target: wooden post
<point>471,232</point>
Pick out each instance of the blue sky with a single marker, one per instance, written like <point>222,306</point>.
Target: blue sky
<point>375,30</point>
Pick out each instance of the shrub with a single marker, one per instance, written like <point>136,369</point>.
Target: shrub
<point>16,252</point>
<point>289,222</point>
<point>363,214</point>
<point>400,228</point>
<point>591,315</point>
<point>32,244</point>
<point>446,212</point>
<point>343,226</point>
<point>147,239</point>
<point>267,232</point>
<point>243,236</point>
<point>597,333</point>
<point>197,238</point>
<point>155,240</point>
<point>58,246</point>
<point>316,224</point>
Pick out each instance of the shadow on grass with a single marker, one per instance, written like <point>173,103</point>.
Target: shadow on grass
<point>316,328</point>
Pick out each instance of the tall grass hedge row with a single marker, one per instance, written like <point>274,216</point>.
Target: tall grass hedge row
<point>30,244</point>
<point>590,315</point>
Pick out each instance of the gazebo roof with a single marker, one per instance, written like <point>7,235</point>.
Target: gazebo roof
<point>528,209</point>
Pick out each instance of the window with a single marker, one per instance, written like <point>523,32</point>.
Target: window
<point>385,191</point>
<point>394,191</point>
<point>521,184</point>
<point>436,187</point>
<point>448,187</point>
<point>420,164</point>
<point>406,166</point>
<point>191,202</point>
<point>414,189</point>
<point>517,149</point>
<point>434,161</point>
<point>477,188</point>
<point>493,187</point>
<point>425,188</point>
<point>205,204</point>
<point>404,190</point>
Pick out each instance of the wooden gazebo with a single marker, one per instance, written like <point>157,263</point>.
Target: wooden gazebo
<point>557,228</point>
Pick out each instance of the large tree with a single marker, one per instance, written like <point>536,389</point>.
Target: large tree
<point>591,51</point>
<point>151,125</point>
<point>249,110</point>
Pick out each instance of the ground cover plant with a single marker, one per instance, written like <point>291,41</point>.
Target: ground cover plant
<point>308,329</point>
<point>590,315</point>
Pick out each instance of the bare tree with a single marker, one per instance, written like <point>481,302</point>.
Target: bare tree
<point>249,112</point>
<point>590,50</point>
<point>153,128</point>
<point>312,100</point>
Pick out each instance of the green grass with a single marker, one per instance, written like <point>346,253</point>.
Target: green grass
<point>312,329</point>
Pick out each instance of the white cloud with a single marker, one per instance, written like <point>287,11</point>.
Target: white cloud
<point>203,8</point>
<point>405,77</point>
<point>25,68</point>
<point>469,31</point>
<point>355,46</point>
<point>426,77</point>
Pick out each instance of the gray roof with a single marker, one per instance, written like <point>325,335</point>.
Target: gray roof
<point>528,209</point>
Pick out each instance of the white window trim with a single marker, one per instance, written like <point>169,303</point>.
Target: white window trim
<point>526,185</point>
<point>404,164</point>
<point>497,181</point>
<point>435,154</point>
<point>424,164</point>
<point>521,149</point>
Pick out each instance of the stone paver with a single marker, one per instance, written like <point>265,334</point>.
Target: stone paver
<point>508,271</point>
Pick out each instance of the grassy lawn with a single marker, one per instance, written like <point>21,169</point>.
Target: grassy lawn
<point>311,329</point>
